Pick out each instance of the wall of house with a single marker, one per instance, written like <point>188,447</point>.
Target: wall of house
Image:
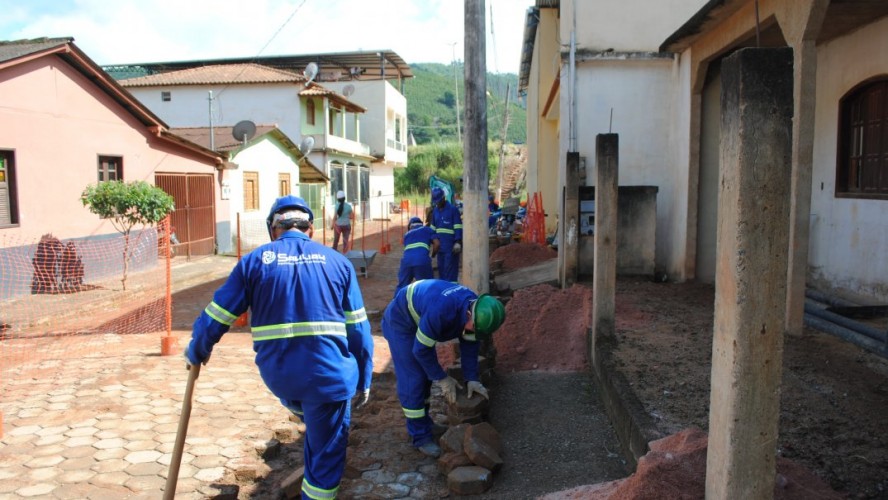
<point>543,145</point>
<point>849,237</point>
<point>603,25</point>
<point>640,94</point>
<point>58,123</point>
<point>269,159</point>
<point>189,105</point>
<point>382,101</point>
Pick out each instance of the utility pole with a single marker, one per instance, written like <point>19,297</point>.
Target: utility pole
<point>500,168</point>
<point>456,92</point>
<point>476,242</point>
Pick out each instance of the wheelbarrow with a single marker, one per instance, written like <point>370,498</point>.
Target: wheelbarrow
<point>361,260</point>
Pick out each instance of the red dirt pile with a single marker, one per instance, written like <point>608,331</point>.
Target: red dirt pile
<point>676,468</point>
<point>517,255</point>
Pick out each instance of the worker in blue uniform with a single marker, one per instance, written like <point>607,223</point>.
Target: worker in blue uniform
<point>310,332</point>
<point>421,315</point>
<point>420,245</point>
<point>447,223</point>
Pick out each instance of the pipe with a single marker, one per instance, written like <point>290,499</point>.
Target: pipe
<point>869,331</point>
<point>847,335</point>
<point>828,299</point>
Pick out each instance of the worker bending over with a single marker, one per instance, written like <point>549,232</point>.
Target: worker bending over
<point>420,245</point>
<point>421,315</point>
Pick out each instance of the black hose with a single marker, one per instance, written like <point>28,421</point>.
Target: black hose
<point>869,331</point>
<point>848,335</point>
<point>827,299</point>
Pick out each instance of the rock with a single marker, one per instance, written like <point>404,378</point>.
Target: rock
<point>472,480</point>
<point>481,453</point>
<point>452,440</point>
<point>452,460</point>
<point>486,433</point>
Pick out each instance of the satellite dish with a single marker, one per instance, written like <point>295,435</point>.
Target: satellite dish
<point>348,90</point>
<point>310,72</point>
<point>306,145</point>
<point>244,131</point>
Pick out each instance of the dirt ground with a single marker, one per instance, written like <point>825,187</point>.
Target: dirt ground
<point>543,401</point>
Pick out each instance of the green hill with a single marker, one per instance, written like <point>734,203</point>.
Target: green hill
<point>431,104</point>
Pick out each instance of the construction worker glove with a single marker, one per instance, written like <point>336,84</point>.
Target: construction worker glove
<point>448,386</point>
<point>477,387</point>
<point>361,399</point>
<point>457,247</point>
<point>191,357</point>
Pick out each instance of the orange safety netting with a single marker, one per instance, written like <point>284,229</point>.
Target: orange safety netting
<point>63,299</point>
<point>535,221</point>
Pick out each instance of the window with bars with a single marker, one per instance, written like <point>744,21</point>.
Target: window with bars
<point>862,167</point>
<point>110,168</point>
<point>251,191</point>
<point>8,199</point>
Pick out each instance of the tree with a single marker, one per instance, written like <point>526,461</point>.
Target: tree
<point>126,205</point>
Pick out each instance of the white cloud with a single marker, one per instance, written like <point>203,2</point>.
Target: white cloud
<point>126,31</point>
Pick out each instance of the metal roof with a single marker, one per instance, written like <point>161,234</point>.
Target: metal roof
<point>336,66</point>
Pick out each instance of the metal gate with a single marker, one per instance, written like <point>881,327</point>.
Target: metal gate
<point>194,220</point>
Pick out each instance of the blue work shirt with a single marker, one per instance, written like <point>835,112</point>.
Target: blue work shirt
<point>310,330</point>
<point>427,312</point>
<point>417,245</point>
<point>447,223</point>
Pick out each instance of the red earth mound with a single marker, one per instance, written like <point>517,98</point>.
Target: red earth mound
<point>517,255</point>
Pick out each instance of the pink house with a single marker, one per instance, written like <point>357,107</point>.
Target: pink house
<point>64,124</point>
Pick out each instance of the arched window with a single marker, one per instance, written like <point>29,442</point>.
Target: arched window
<point>310,112</point>
<point>862,167</point>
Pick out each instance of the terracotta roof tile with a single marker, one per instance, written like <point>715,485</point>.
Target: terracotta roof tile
<point>217,74</point>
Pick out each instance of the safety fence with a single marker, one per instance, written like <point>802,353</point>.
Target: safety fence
<point>535,221</point>
<point>62,299</point>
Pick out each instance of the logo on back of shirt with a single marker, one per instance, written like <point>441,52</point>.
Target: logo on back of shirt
<point>268,257</point>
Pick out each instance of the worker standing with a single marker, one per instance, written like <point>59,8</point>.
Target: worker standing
<point>310,334</point>
<point>421,315</point>
<point>420,245</point>
<point>447,223</point>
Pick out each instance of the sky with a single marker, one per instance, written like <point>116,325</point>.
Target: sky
<point>140,31</point>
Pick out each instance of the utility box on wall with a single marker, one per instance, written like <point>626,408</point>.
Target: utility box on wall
<point>636,230</point>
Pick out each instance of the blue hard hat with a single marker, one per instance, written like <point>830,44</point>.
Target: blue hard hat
<point>282,204</point>
<point>437,194</point>
<point>414,222</point>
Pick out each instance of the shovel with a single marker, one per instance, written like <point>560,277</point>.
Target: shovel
<point>169,492</point>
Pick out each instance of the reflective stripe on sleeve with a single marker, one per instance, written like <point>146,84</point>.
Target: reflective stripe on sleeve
<point>442,230</point>
<point>416,245</point>
<point>410,289</point>
<point>425,339</point>
<point>290,330</point>
<point>352,317</point>
<point>219,314</point>
<point>316,493</point>
<point>457,226</point>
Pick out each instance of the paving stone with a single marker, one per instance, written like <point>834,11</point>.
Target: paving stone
<point>49,440</point>
<point>80,441</point>
<point>139,457</point>
<point>47,461</point>
<point>110,453</point>
<point>81,431</point>
<point>51,431</point>
<point>111,465</point>
<point>140,445</point>
<point>213,474</point>
<point>145,483</point>
<point>145,469</point>
<point>26,430</point>
<point>109,444</point>
<point>77,463</point>
<point>471,480</point>
<point>75,476</point>
<point>43,474</point>
<point>35,490</point>
<point>51,450</point>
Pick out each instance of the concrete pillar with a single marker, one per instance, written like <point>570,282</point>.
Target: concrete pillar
<point>569,224</point>
<point>751,273</point>
<point>476,244</point>
<point>604,269</point>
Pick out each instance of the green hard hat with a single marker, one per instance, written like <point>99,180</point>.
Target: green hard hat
<point>488,314</point>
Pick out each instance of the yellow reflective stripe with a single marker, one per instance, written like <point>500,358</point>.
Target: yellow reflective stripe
<point>442,230</point>
<point>413,413</point>
<point>312,491</point>
<point>425,339</point>
<point>457,226</point>
<point>352,317</point>
<point>417,245</point>
<point>289,330</point>
<point>410,289</point>
<point>469,337</point>
<point>219,314</point>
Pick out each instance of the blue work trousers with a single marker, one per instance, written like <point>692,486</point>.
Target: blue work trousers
<point>326,439</point>
<point>406,274</point>
<point>414,387</point>
<point>448,266</point>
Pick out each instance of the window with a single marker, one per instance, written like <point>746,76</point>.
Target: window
<point>110,168</point>
<point>862,167</point>
<point>284,183</point>
<point>251,191</point>
<point>310,112</point>
<point>8,199</point>
<point>165,96</point>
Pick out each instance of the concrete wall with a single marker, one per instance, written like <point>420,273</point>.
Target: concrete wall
<point>58,123</point>
<point>624,25</point>
<point>640,94</point>
<point>849,237</point>
<point>707,201</point>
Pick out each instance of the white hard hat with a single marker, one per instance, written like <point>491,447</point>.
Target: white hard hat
<point>340,195</point>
